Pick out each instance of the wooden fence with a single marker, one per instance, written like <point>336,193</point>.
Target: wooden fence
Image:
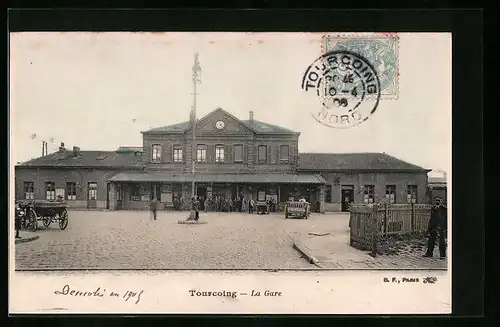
<point>368,223</point>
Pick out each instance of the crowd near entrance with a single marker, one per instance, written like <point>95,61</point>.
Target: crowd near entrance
<point>213,197</point>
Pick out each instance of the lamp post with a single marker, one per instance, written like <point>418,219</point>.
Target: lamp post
<point>196,80</point>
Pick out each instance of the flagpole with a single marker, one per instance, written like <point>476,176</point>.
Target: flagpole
<point>194,152</point>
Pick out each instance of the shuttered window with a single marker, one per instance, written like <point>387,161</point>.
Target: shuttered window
<point>262,153</point>
<point>284,153</point>
<point>238,153</point>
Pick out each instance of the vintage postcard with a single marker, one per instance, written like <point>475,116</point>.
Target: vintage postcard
<point>230,173</point>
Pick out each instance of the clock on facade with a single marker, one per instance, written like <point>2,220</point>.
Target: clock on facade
<point>219,124</point>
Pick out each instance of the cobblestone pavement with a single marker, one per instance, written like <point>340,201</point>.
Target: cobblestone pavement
<point>334,252</point>
<point>132,240</point>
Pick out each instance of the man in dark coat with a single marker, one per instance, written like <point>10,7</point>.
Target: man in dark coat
<point>18,219</point>
<point>196,208</point>
<point>154,207</point>
<point>438,226</point>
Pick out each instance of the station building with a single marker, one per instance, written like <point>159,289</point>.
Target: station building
<point>233,158</point>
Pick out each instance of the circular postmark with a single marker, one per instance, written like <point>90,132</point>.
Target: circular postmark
<point>347,87</point>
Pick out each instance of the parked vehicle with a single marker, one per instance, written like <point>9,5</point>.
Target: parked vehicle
<point>297,209</point>
<point>45,211</point>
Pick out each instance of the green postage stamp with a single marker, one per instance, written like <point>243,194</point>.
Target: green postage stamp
<point>380,49</point>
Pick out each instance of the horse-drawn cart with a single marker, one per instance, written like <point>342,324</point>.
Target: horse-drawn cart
<point>45,211</point>
<point>297,209</point>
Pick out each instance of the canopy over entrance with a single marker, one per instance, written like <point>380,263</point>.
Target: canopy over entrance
<point>218,178</point>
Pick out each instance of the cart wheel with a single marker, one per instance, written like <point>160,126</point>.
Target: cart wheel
<point>63,220</point>
<point>47,221</point>
<point>32,223</point>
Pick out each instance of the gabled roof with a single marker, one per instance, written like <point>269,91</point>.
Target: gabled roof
<point>175,128</point>
<point>265,128</point>
<point>100,159</point>
<point>353,161</point>
<point>258,126</point>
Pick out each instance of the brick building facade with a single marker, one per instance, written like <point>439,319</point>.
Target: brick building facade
<point>233,158</point>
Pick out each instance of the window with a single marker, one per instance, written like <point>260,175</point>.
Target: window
<point>92,191</point>
<point>238,153</point>
<point>390,193</point>
<point>261,196</point>
<point>156,157</point>
<point>50,190</point>
<point>70,191</point>
<point>262,153</point>
<point>135,192</point>
<point>369,192</point>
<point>219,153</point>
<point>60,193</point>
<point>29,191</point>
<point>119,193</point>
<point>411,194</point>
<point>201,153</point>
<point>177,153</point>
<point>284,153</point>
<point>328,193</point>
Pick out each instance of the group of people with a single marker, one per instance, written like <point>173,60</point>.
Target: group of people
<point>223,204</point>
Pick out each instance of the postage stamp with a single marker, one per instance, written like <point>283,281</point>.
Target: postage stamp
<point>347,86</point>
<point>380,49</point>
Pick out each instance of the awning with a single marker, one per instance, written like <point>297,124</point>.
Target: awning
<point>218,178</point>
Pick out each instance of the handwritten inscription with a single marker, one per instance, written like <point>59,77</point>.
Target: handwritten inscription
<point>100,293</point>
<point>234,294</point>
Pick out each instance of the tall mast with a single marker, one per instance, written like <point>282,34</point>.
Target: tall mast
<point>196,80</point>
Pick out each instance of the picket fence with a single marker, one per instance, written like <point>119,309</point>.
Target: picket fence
<point>369,223</point>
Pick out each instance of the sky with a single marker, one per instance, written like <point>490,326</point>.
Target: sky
<point>100,90</point>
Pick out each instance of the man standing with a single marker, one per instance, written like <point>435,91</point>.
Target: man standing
<point>250,205</point>
<point>196,208</point>
<point>437,226</point>
<point>18,219</point>
<point>153,207</point>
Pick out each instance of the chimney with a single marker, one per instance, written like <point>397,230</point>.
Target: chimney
<point>61,147</point>
<point>76,151</point>
<point>251,118</point>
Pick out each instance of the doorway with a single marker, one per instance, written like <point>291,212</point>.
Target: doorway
<point>156,192</point>
<point>201,192</point>
<point>347,197</point>
<point>92,195</point>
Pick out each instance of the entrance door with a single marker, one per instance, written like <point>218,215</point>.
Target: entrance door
<point>108,191</point>
<point>119,197</point>
<point>92,195</point>
<point>201,192</point>
<point>347,198</point>
<point>156,192</point>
